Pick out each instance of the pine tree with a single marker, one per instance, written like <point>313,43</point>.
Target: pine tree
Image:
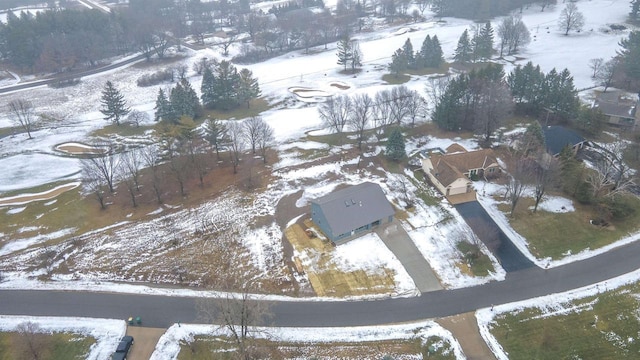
<point>216,135</point>
<point>227,80</point>
<point>398,63</point>
<point>208,89</point>
<point>630,55</point>
<point>430,54</point>
<point>248,87</point>
<point>463,49</point>
<point>407,51</point>
<point>484,42</point>
<point>345,52</point>
<point>184,100</point>
<point>114,107</point>
<point>163,108</point>
<point>396,145</point>
<point>635,10</point>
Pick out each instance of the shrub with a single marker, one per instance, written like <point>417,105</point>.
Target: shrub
<point>156,78</point>
<point>64,83</point>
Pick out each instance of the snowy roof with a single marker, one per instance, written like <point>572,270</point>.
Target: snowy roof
<point>355,206</point>
<point>623,110</point>
<point>557,137</point>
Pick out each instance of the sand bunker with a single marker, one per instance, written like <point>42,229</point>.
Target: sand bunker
<point>307,94</point>
<point>73,148</point>
<point>45,195</point>
<point>340,85</point>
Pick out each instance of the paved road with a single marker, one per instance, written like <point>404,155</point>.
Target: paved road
<point>401,245</point>
<point>507,253</point>
<point>160,311</point>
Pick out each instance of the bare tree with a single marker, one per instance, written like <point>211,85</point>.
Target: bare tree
<point>513,34</point>
<point>22,113</point>
<point>226,43</point>
<point>606,72</point>
<point>235,132</point>
<point>571,19</point>
<point>400,98</point>
<point>335,112</point>
<point>30,343</point>
<point>436,88</point>
<point>516,185</point>
<point>252,131</point>
<point>265,139</point>
<point>613,170</point>
<point>382,111</point>
<point>544,3</point>
<point>129,173</point>
<point>492,107</point>
<point>415,106</point>
<point>485,232</point>
<point>239,314</point>
<point>136,117</point>
<point>545,177</point>
<point>103,167</point>
<point>361,111</point>
<point>423,5</point>
<point>152,159</point>
<point>594,65</point>
<point>216,135</point>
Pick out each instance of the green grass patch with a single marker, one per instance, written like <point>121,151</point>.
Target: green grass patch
<point>122,130</point>
<point>478,262</point>
<point>205,348</point>
<point>554,235</point>
<point>56,346</point>
<point>256,106</point>
<point>604,327</point>
<point>334,139</point>
<point>393,79</point>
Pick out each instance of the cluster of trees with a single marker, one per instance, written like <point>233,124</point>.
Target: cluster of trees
<point>478,101</point>
<point>349,54</point>
<point>180,155</point>
<point>534,91</point>
<point>513,35</point>
<point>479,47</point>
<point>635,10</point>
<point>429,56</point>
<point>398,106</point>
<point>482,9</point>
<point>224,87</point>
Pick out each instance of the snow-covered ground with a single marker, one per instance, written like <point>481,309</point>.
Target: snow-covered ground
<point>169,344</point>
<point>107,332</point>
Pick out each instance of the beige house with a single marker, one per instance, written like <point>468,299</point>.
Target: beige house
<point>619,109</point>
<point>451,172</point>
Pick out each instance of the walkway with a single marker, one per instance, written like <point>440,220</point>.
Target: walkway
<point>398,241</point>
<point>144,341</point>
<point>464,328</point>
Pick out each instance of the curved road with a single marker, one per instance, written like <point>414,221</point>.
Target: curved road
<point>162,311</point>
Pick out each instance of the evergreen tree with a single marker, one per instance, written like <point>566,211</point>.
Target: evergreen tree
<point>483,42</point>
<point>630,55</point>
<point>216,135</point>
<point>396,145</point>
<point>532,140</point>
<point>407,52</point>
<point>448,113</point>
<point>208,89</point>
<point>345,52</point>
<point>248,87</point>
<point>635,9</point>
<point>163,108</point>
<point>114,107</point>
<point>527,87</point>
<point>184,100</point>
<point>398,63</point>
<point>226,81</point>
<point>463,50</point>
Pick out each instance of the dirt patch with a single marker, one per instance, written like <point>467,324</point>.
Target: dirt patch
<point>464,327</point>
<point>46,195</point>
<point>340,86</point>
<point>79,149</point>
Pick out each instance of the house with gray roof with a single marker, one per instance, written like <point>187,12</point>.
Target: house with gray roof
<point>619,108</point>
<point>346,213</point>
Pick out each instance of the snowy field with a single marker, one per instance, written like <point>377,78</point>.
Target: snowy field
<point>106,332</point>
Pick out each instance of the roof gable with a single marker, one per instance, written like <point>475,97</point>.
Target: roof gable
<point>354,206</point>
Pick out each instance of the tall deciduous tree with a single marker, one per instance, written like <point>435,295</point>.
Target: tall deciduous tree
<point>22,113</point>
<point>114,107</point>
<point>513,35</point>
<point>360,115</point>
<point>334,113</point>
<point>571,19</point>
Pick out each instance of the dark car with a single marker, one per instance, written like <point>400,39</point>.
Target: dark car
<point>123,348</point>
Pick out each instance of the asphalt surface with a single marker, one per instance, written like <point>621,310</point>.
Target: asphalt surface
<point>162,311</point>
<point>500,245</point>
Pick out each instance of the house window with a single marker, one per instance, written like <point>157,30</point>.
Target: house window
<point>491,170</point>
<point>473,172</point>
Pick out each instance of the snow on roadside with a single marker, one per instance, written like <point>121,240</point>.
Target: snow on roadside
<point>168,346</point>
<point>107,332</point>
<point>549,305</point>
<point>485,198</point>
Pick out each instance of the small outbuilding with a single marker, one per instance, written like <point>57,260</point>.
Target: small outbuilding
<point>343,214</point>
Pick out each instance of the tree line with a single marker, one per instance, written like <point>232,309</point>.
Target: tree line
<point>429,56</point>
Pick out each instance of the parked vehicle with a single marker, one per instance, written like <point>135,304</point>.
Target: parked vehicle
<point>123,348</point>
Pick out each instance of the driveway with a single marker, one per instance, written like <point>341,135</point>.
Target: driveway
<point>398,241</point>
<point>486,229</point>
